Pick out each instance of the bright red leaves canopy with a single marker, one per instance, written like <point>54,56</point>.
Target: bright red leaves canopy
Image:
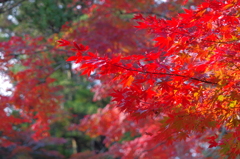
<point>190,85</point>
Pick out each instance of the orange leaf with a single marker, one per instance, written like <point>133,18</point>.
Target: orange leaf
<point>128,81</point>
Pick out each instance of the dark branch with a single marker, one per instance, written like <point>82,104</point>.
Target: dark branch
<point>167,74</point>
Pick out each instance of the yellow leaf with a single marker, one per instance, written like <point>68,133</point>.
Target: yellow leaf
<point>221,98</point>
<point>233,103</point>
<point>195,94</point>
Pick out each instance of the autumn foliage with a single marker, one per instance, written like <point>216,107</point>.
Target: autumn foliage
<point>180,95</point>
<point>170,69</point>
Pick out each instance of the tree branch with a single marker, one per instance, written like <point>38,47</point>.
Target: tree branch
<point>167,74</point>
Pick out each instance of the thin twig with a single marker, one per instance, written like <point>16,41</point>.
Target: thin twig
<point>168,74</point>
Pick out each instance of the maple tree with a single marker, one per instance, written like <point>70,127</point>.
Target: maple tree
<point>186,90</point>
<point>168,101</point>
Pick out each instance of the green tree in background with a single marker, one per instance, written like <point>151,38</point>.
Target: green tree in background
<point>37,17</point>
<point>45,17</point>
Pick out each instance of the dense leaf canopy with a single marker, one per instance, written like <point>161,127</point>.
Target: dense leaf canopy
<point>189,85</point>
<point>165,78</point>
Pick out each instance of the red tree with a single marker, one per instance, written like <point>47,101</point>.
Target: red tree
<point>172,98</point>
<point>184,92</point>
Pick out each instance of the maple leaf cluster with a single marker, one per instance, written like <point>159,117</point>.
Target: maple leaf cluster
<point>176,96</point>
<point>186,89</point>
